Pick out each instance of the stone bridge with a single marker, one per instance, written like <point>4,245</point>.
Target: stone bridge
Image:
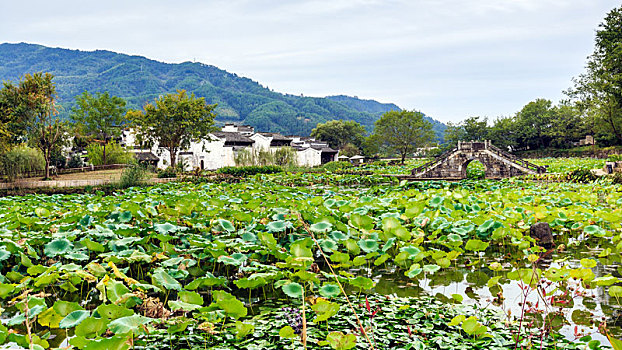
<point>498,163</point>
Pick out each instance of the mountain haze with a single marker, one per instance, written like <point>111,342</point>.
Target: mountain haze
<point>139,80</point>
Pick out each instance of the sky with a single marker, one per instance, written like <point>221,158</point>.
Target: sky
<point>450,59</point>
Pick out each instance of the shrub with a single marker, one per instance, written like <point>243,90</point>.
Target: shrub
<point>284,156</point>
<point>115,154</point>
<point>132,176</point>
<point>334,166</point>
<point>617,178</point>
<point>614,158</point>
<point>167,173</point>
<point>20,161</point>
<point>250,170</point>
<point>75,162</point>
<point>581,176</point>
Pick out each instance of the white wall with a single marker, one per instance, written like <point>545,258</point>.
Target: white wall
<point>261,142</point>
<point>309,157</point>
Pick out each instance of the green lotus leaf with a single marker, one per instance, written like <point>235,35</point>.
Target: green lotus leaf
<point>181,305</point>
<point>287,332</point>
<point>324,310</point>
<point>321,227</point>
<point>226,225</point>
<point>341,341</point>
<point>476,245</point>
<point>243,329</point>
<point>435,201</point>
<point>77,256</point>
<point>42,212</point>
<point>112,343</point>
<point>414,270</point>
<point>368,245</point>
<point>588,263</point>
<point>593,230</point>
<point>165,228</point>
<point>278,226</point>
<point>125,216</point>
<point>293,290</point>
<point>328,245</point>
<point>58,247</point>
<point>412,251</point>
<point>338,236</point>
<point>431,268</point>
<point>162,278</point>
<point>230,304</point>
<point>363,222</point>
<point>73,319</point>
<point>129,324</point>
<point>362,282</point>
<point>615,291</point>
<point>329,290</point>
<point>91,327</point>
<point>112,311</point>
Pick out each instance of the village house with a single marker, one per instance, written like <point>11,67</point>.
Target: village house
<point>220,149</point>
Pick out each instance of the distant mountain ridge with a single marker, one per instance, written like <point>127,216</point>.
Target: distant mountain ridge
<point>138,80</point>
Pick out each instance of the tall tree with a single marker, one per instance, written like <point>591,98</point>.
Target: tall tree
<point>533,121</point>
<point>599,89</point>
<point>403,132</point>
<point>469,129</point>
<point>174,121</point>
<point>338,133</point>
<point>100,116</point>
<point>32,103</point>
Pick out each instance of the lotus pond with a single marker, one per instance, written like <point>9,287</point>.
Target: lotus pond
<point>316,260</point>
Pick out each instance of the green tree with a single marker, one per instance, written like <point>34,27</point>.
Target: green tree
<point>469,129</point>
<point>504,132</point>
<point>340,132</point>
<point>599,90</point>
<point>32,105</point>
<point>100,116</point>
<point>403,132</point>
<point>174,121</point>
<point>532,123</point>
<point>349,150</point>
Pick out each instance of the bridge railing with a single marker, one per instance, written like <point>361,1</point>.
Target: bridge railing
<point>433,162</point>
<point>537,168</point>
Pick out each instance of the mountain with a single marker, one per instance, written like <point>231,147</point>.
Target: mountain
<point>139,80</point>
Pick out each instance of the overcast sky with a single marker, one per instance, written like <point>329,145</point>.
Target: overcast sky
<point>450,59</point>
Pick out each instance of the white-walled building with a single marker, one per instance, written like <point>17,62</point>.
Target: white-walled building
<point>220,149</point>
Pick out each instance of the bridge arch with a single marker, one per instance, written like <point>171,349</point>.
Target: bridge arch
<point>497,163</point>
<point>463,167</point>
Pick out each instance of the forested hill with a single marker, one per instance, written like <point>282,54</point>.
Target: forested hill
<point>138,80</point>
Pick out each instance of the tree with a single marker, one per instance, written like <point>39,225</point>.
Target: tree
<point>174,121</point>
<point>599,89</point>
<point>340,132</point>
<point>101,116</point>
<point>532,122</point>
<point>503,133</point>
<point>32,105</point>
<point>349,150</point>
<point>403,131</point>
<point>469,129</point>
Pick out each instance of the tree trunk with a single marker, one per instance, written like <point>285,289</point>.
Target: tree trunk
<point>104,154</point>
<point>46,155</point>
<point>173,156</point>
<point>403,157</point>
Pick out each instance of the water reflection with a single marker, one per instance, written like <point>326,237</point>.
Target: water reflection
<point>580,307</point>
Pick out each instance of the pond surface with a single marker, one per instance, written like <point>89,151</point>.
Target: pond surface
<point>583,308</point>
